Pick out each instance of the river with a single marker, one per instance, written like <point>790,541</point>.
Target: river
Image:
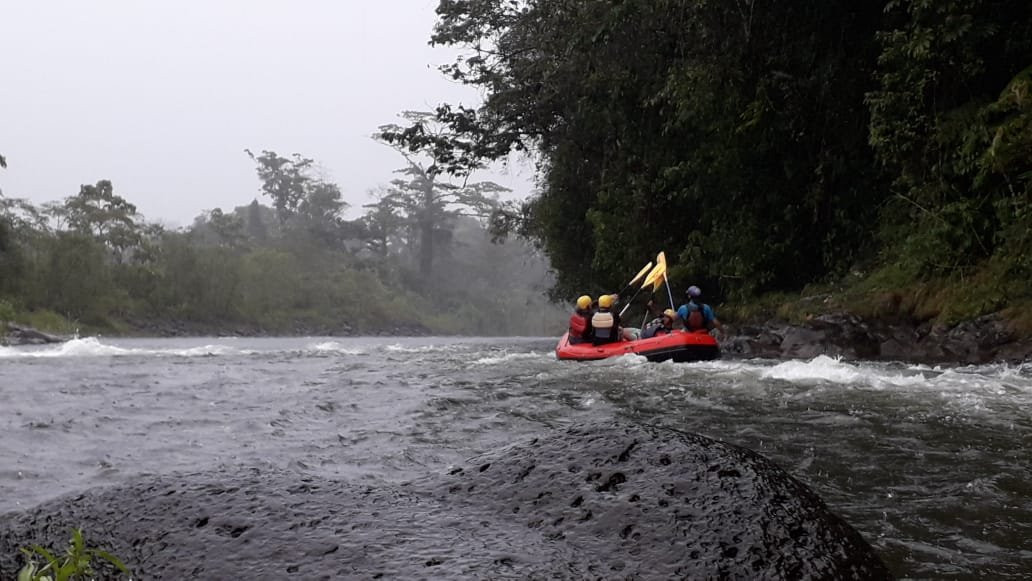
<point>933,465</point>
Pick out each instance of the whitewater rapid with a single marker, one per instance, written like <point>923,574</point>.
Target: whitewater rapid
<point>996,379</point>
<point>930,463</point>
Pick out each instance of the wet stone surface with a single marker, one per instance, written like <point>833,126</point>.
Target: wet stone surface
<point>988,338</point>
<point>593,500</point>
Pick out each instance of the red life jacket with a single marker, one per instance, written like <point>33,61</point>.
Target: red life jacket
<point>578,325</point>
<point>695,320</point>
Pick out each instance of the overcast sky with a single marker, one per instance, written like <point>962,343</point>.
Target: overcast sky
<point>162,97</point>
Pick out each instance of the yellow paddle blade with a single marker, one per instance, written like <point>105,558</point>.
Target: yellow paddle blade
<point>659,282</point>
<point>661,267</point>
<point>640,274</point>
<point>655,274</point>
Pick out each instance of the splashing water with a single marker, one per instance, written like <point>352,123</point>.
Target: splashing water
<point>929,463</point>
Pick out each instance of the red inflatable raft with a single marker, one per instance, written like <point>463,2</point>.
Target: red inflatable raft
<point>679,346</point>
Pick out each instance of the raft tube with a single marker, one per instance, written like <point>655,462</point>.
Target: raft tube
<point>678,345</point>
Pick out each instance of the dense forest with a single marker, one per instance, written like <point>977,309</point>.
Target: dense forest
<point>876,154</point>
<point>879,152</point>
<point>91,262</point>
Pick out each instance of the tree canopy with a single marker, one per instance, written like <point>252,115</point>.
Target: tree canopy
<point>423,200</point>
<point>764,145</point>
<point>94,262</point>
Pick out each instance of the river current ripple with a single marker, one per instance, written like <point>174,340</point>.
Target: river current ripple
<point>931,464</point>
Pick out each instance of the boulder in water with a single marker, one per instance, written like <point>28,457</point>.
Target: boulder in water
<point>588,501</point>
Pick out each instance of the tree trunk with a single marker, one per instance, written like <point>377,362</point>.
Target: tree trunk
<point>426,247</point>
<point>426,229</point>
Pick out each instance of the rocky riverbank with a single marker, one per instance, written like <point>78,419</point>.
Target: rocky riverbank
<point>21,335</point>
<point>981,340</point>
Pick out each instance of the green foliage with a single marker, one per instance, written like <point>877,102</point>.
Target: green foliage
<point>950,122</point>
<point>305,203</point>
<point>422,202</point>
<point>6,314</point>
<point>766,146</point>
<point>285,180</point>
<point>78,563</point>
<point>312,272</point>
<point>729,134</point>
<point>97,212</point>
<point>10,257</point>
<point>70,276</point>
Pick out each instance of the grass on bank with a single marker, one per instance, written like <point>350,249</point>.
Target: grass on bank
<point>78,563</point>
<point>891,293</point>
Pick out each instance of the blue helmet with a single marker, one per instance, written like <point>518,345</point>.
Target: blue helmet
<point>694,292</point>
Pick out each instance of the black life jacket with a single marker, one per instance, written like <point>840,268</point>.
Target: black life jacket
<point>655,327</point>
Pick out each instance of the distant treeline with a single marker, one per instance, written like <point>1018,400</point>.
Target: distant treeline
<point>766,146</point>
<point>91,261</point>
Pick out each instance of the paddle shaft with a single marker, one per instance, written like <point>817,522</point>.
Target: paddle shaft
<point>631,300</point>
<point>669,294</point>
<point>637,277</point>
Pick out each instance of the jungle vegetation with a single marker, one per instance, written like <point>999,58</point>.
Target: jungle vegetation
<point>91,262</point>
<point>876,153</point>
<point>880,150</point>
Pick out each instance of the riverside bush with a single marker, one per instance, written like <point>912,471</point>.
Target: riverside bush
<point>77,563</point>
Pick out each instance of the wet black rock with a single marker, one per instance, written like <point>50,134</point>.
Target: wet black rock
<point>655,503</point>
<point>980,340</point>
<point>590,501</point>
<point>21,335</point>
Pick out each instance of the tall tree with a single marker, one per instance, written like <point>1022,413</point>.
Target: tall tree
<point>732,134</point>
<point>220,229</point>
<point>283,179</point>
<point>382,223</point>
<point>98,212</point>
<point>302,199</point>
<point>425,197</point>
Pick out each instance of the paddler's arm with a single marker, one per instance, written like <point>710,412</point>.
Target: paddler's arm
<point>654,310</point>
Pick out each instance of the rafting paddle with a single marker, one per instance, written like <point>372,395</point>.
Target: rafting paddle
<point>657,271</point>
<point>661,260</point>
<point>637,277</point>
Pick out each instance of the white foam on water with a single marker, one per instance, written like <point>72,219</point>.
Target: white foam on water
<point>506,357</point>
<point>202,351</point>
<point>85,347</point>
<point>92,347</point>
<point>398,348</point>
<point>824,369</point>
<point>335,347</point>
<point>627,361</point>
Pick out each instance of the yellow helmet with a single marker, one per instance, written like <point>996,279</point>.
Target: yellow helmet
<point>584,302</point>
<point>670,313</point>
<point>605,301</point>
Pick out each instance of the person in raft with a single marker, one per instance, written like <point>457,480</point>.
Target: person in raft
<point>661,325</point>
<point>605,323</point>
<point>580,322</point>
<point>696,314</point>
